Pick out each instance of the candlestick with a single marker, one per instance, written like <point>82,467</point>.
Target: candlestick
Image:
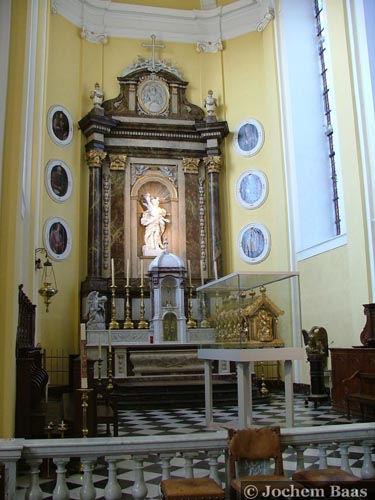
<point>127,272</point>
<point>83,356</point>
<point>109,341</point>
<point>189,273</point>
<point>113,271</point>
<point>141,273</point>
<point>202,277</point>
<point>215,269</point>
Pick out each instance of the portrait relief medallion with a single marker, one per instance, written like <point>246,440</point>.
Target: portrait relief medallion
<point>153,97</point>
<point>254,243</point>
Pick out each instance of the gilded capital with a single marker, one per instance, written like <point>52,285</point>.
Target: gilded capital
<point>213,164</point>
<point>94,157</point>
<point>117,162</point>
<point>191,165</point>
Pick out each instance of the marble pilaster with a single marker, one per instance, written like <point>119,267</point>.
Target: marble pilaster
<point>213,165</point>
<point>94,161</point>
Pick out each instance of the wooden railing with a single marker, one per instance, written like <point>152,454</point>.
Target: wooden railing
<point>165,448</point>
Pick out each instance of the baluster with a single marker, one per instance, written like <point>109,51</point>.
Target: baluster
<point>213,463</point>
<point>344,451</point>
<point>300,465</point>
<point>139,490</point>
<point>88,491</point>
<point>323,456</point>
<point>34,491</point>
<point>367,471</point>
<point>189,472</point>
<point>61,491</point>
<point>112,491</point>
<point>166,465</point>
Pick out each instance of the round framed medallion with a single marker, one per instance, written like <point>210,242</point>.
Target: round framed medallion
<point>254,243</point>
<point>58,180</point>
<point>153,97</point>
<point>60,125</point>
<point>252,188</point>
<point>57,238</point>
<point>248,137</point>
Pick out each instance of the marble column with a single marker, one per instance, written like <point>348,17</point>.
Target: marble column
<point>94,159</point>
<point>116,228</point>
<point>213,166</point>
<point>191,170</point>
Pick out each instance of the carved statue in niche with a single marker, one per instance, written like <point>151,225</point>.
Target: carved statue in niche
<point>153,218</point>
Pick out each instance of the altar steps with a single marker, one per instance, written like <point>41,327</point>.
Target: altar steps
<point>177,393</point>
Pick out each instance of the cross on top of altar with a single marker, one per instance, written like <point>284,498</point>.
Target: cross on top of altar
<point>153,46</point>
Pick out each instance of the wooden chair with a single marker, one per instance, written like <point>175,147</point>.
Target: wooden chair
<point>325,478</point>
<point>255,458</point>
<point>200,488</point>
<point>106,409</point>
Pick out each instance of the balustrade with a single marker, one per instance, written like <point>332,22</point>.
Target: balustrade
<point>358,437</point>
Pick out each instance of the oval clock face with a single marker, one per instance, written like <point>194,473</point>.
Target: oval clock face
<point>153,97</point>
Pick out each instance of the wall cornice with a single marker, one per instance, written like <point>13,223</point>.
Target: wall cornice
<point>104,18</point>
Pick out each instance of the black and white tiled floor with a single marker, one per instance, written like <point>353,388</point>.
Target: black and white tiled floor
<point>183,421</point>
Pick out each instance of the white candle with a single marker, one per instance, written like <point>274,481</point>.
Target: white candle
<point>83,356</point>
<point>202,277</point>
<point>215,270</point>
<point>189,273</point>
<point>141,272</point>
<point>127,272</point>
<point>109,341</point>
<point>113,271</point>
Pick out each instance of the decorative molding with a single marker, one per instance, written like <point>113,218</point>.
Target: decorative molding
<point>211,47</point>
<point>202,222</point>
<point>117,162</point>
<point>268,16</point>
<point>190,165</point>
<point>213,164</point>
<point>54,7</point>
<point>94,158</point>
<point>106,218</point>
<point>91,36</point>
<point>123,20</point>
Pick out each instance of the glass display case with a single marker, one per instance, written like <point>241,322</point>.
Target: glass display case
<point>252,310</point>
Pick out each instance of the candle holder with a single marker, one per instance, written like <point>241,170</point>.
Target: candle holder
<point>62,427</point>
<point>128,322</point>
<point>84,406</point>
<point>114,325</point>
<point>109,372</point>
<point>142,322</point>
<point>100,362</point>
<point>191,323</point>
<point>204,323</point>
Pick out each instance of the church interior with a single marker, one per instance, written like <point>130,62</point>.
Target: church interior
<point>182,181</point>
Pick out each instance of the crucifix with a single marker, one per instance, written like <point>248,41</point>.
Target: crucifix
<point>153,45</point>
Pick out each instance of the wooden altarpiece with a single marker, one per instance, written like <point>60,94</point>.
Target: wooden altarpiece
<point>151,139</point>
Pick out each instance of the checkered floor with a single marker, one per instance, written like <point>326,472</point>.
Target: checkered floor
<point>182,421</point>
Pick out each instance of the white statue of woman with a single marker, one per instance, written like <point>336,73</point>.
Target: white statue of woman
<point>154,220</point>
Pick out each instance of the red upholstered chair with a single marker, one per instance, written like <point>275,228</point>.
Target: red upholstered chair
<point>202,488</point>
<point>255,458</point>
<point>325,478</point>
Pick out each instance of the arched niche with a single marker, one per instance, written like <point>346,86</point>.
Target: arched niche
<point>158,186</point>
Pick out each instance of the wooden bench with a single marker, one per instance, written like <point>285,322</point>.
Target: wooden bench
<point>360,388</point>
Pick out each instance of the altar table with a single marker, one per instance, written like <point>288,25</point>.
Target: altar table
<point>244,359</point>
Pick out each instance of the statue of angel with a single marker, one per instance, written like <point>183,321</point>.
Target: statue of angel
<point>154,220</point>
<point>96,311</point>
